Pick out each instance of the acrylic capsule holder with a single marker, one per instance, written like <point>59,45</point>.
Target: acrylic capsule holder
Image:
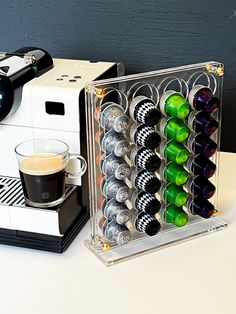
<point>153,145</point>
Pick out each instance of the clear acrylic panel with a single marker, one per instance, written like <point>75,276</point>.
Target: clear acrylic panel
<point>153,140</point>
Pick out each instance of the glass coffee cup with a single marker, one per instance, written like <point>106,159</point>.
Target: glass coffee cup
<point>43,166</point>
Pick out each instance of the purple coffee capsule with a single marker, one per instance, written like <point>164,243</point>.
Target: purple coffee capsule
<point>201,186</point>
<point>202,122</point>
<point>145,181</point>
<point>145,136</point>
<point>201,165</point>
<point>144,222</point>
<point>145,158</point>
<point>202,144</point>
<point>144,110</point>
<point>145,202</point>
<point>200,206</point>
<point>202,98</point>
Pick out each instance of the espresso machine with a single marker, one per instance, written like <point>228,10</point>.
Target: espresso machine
<point>41,97</point>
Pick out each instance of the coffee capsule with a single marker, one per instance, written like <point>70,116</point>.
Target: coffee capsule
<point>202,122</point>
<point>112,165</point>
<point>201,186</point>
<point>112,116</point>
<point>145,181</point>
<point>145,136</point>
<point>202,144</point>
<point>200,206</point>
<point>174,128</point>
<point>174,151</point>
<point>174,104</point>
<point>172,214</point>
<point>202,98</point>
<point>144,110</point>
<point>173,194</point>
<point>144,222</point>
<point>114,232</point>
<point>145,158</point>
<point>145,202</point>
<point>114,188</point>
<point>172,172</point>
<point>201,165</point>
<point>113,142</point>
<point>113,210</point>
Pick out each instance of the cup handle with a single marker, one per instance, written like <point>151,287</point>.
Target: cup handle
<point>82,169</point>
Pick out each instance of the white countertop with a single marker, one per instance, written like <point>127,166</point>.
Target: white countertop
<point>197,276</point>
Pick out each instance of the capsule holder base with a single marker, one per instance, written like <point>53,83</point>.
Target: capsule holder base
<point>169,235</point>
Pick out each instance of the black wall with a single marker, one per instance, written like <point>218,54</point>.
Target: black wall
<point>144,35</point>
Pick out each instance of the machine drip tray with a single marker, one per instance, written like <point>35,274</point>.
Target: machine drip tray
<point>11,193</point>
<point>50,229</point>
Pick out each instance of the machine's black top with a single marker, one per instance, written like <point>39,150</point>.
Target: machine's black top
<point>16,70</point>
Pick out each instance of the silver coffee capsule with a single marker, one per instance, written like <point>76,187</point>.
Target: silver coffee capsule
<point>112,116</point>
<point>113,210</point>
<point>114,232</point>
<point>112,165</point>
<point>114,188</point>
<point>113,142</point>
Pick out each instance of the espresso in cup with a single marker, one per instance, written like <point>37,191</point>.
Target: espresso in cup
<point>42,167</point>
<point>43,177</point>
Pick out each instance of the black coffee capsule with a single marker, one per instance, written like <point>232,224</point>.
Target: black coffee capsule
<point>145,181</point>
<point>144,222</point>
<point>145,136</point>
<point>144,110</point>
<point>145,158</point>
<point>145,202</point>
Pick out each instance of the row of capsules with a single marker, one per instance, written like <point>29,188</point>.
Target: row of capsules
<point>113,146</point>
<point>161,130</point>
<point>167,175</point>
<point>119,174</point>
<point>188,126</point>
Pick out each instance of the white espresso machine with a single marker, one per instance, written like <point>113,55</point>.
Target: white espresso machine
<point>41,97</point>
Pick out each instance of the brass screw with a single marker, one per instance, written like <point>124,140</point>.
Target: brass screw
<point>209,68</point>
<point>100,92</point>
<point>214,69</point>
<point>105,246</point>
<point>215,213</point>
<point>220,71</point>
